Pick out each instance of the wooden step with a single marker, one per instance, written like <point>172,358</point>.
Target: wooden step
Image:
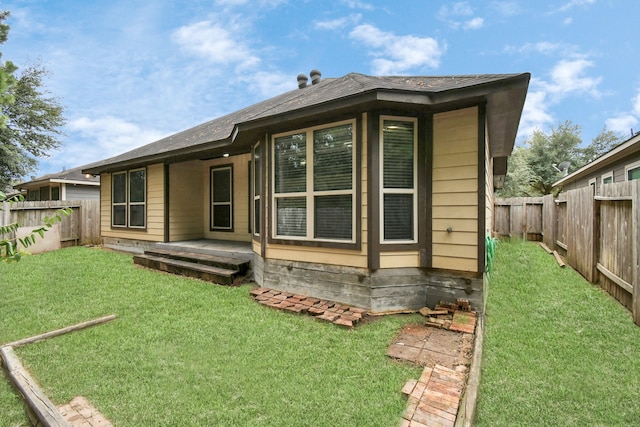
<point>222,276</point>
<point>229,263</point>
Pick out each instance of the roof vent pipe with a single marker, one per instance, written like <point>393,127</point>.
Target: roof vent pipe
<point>315,76</point>
<point>302,81</point>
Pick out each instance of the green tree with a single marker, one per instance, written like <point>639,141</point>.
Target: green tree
<point>600,145</point>
<point>548,152</point>
<point>519,175</point>
<point>30,119</point>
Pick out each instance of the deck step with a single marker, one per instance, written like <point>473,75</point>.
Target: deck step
<point>222,276</point>
<point>228,263</point>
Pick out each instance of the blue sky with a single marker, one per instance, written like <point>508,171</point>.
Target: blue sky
<point>129,72</point>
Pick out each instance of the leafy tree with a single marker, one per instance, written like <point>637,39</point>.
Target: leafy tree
<point>10,247</point>
<point>29,119</point>
<point>546,152</point>
<point>519,175</point>
<point>601,144</point>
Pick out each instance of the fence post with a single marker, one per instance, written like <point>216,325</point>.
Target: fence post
<point>635,209</point>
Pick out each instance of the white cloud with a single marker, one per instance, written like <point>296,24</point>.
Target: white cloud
<point>506,8</point>
<point>355,4</point>
<point>624,122</point>
<point>473,24</point>
<point>456,16</point>
<point>104,137</point>
<point>215,43</point>
<point>574,3</point>
<point>535,115</point>
<point>567,76</point>
<point>269,84</point>
<point>398,54</point>
<point>334,24</point>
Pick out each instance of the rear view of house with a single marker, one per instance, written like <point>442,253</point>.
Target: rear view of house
<point>370,191</point>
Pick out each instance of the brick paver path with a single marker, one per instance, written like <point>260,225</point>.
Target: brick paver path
<point>80,413</point>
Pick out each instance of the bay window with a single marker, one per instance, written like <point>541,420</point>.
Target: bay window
<point>314,184</point>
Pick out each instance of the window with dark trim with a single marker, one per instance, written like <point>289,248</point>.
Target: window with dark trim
<point>314,184</point>
<point>129,198</point>
<point>256,164</point>
<point>398,179</point>
<point>222,198</point>
<point>55,193</point>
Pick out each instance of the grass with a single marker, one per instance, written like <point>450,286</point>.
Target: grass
<point>558,350</point>
<point>185,352</point>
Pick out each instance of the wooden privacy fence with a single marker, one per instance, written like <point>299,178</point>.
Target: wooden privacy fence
<point>82,227</point>
<point>599,236</point>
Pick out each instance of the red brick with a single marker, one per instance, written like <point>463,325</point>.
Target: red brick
<point>409,386</point>
<point>328,316</point>
<point>343,322</point>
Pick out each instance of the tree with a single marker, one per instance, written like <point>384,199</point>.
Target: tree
<point>519,175</point>
<point>30,119</point>
<point>600,145</point>
<point>547,152</point>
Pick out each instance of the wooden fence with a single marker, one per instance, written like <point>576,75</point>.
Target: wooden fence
<point>599,236</point>
<point>82,227</point>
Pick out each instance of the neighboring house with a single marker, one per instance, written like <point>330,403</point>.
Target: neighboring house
<point>70,184</point>
<point>622,163</point>
<point>371,191</point>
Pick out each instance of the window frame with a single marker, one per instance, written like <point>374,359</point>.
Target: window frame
<point>256,196</point>
<point>383,191</point>
<point>127,203</point>
<point>230,203</point>
<point>311,193</point>
<point>630,167</point>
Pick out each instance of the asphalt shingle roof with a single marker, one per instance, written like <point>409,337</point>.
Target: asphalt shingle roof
<point>326,91</point>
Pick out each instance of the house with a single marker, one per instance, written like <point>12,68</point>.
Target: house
<point>622,163</point>
<point>370,191</point>
<point>70,184</point>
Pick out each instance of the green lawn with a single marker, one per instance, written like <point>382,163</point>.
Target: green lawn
<point>558,351</point>
<point>185,352</point>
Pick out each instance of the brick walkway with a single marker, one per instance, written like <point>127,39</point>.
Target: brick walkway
<point>80,413</point>
<point>434,398</point>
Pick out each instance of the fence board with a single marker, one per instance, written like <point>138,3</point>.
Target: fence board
<point>81,227</point>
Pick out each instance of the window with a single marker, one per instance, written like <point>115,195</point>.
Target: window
<point>257,188</point>
<point>33,195</point>
<point>55,193</point>
<point>314,184</point>
<point>128,199</point>
<point>632,171</point>
<point>222,198</point>
<point>398,179</point>
<point>44,193</point>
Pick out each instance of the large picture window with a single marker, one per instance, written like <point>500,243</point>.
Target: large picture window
<point>314,182</point>
<point>398,179</point>
<point>129,199</point>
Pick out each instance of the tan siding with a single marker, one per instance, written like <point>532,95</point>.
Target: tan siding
<point>317,255</point>
<point>186,201</point>
<point>455,183</point>
<point>240,199</point>
<point>155,208</point>
<point>399,259</point>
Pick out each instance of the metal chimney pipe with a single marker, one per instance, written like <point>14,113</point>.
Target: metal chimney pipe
<point>302,81</point>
